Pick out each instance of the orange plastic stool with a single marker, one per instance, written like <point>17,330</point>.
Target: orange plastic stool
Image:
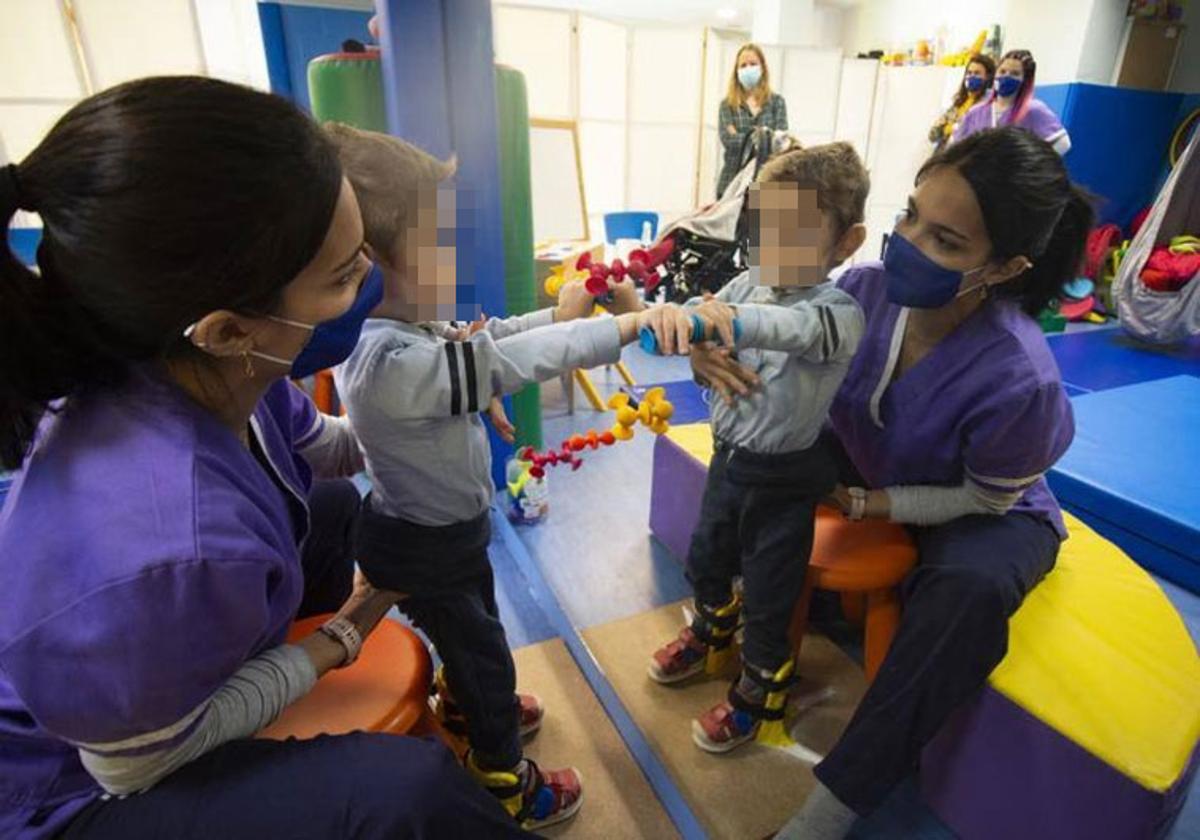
<point>385,690</point>
<point>868,558</point>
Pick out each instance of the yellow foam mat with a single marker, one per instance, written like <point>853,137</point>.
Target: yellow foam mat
<point>1098,653</point>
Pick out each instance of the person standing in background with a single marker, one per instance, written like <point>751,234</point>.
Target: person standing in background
<point>749,104</point>
<point>1012,103</point>
<point>976,82</point>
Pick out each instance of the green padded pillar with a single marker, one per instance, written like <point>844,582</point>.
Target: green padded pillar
<point>512,114</point>
<point>348,88</point>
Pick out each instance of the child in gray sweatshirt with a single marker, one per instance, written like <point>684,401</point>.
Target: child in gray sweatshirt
<point>798,332</point>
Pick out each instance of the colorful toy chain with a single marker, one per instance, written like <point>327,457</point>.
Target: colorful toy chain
<point>642,268</point>
<point>653,411</point>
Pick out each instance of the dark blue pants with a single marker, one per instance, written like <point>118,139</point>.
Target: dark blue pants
<point>362,786</point>
<point>756,520</point>
<point>972,575</point>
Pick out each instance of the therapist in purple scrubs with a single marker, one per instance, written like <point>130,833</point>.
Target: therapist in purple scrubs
<point>163,531</point>
<point>952,411</point>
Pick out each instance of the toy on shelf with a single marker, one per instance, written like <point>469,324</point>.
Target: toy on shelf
<point>649,341</point>
<point>653,411</point>
<point>963,57</point>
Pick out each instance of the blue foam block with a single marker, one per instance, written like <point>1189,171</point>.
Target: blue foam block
<point>1096,360</point>
<point>1133,465</point>
<point>686,396</point>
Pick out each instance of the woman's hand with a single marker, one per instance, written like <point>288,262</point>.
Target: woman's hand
<point>365,607</point>
<point>730,130</point>
<point>717,367</point>
<point>573,302</point>
<point>878,505</point>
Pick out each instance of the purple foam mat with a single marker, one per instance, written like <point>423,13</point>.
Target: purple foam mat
<point>677,485</point>
<point>995,772</point>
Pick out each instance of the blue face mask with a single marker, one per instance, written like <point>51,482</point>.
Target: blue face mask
<point>1007,85</point>
<point>333,341</point>
<point>916,281</point>
<point>974,83</point>
<point>749,75</point>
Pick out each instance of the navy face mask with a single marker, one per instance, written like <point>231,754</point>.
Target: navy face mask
<point>333,341</point>
<point>916,281</point>
<point>974,83</point>
<point>1007,85</point>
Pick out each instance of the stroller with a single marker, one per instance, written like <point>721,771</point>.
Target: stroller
<point>703,251</point>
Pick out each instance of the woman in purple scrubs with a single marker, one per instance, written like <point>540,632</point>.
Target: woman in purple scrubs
<point>1012,103</point>
<point>163,531</point>
<point>951,413</point>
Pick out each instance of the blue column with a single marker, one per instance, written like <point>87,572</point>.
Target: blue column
<point>439,87</point>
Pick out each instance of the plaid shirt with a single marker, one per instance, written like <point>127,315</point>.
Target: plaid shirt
<point>773,115</point>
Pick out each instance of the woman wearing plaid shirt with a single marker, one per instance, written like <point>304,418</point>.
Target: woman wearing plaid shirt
<point>750,103</point>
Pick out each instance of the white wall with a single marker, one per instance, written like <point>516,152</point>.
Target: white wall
<point>894,24</point>
<point>1101,42</point>
<point>44,70</point>
<point>1053,32</point>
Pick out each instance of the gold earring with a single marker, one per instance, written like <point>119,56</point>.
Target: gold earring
<point>248,367</point>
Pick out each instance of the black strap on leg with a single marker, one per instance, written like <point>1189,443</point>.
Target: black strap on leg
<point>712,629</point>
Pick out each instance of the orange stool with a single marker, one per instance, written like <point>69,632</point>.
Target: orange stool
<point>323,391</point>
<point>868,558</point>
<point>385,690</point>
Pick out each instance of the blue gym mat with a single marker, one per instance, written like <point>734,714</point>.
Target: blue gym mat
<point>1097,360</point>
<point>1133,472</point>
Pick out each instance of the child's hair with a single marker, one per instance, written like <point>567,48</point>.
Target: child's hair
<point>835,171</point>
<point>386,173</point>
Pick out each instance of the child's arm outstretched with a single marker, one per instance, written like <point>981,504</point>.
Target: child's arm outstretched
<point>431,379</point>
<point>822,331</point>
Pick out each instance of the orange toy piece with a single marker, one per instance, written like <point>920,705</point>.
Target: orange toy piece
<point>653,411</point>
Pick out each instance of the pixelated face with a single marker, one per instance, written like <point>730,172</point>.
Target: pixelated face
<point>789,235</point>
<point>430,254</point>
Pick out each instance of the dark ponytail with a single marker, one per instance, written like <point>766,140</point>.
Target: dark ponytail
<point>1030,208</point>
<point>162,200</point>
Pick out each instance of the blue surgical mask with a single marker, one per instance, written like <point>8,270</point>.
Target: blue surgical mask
<point>1007,85</point>
<point>915,280</point>
<point>974,83</point>
<point>749,75</point>
<point>333,341</point>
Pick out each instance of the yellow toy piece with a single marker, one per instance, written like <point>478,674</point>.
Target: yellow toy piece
<point>654,412</point>
<point>960,58</point>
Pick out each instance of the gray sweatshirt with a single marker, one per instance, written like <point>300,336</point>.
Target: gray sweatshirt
<point>414,400</point>
<point>800,343</point>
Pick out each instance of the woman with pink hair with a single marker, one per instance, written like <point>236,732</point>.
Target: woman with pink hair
<point>1012,103</point>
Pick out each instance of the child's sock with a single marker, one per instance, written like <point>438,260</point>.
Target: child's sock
<point>823,817</point>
